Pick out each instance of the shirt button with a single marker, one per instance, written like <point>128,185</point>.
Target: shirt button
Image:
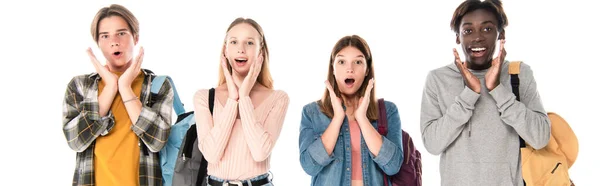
<point>346,129</point>
<point>347,169</point>
<point>347,148</point>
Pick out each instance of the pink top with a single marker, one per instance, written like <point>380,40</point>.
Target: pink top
<point>239,149</point>
<point>356,154</point>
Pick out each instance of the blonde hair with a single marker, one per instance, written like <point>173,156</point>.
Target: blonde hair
<point>264,78</point>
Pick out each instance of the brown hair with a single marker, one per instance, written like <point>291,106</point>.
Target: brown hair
<point>360,44</point>
<point>264,78</point>
<point>115,10</point>
<point>494,6</point>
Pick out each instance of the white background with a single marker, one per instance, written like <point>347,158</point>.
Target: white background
<point>42,46</point>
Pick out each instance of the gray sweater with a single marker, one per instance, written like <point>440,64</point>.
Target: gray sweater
<point>477,135</point>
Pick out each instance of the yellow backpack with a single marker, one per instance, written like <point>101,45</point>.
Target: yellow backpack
<point>548,166</point>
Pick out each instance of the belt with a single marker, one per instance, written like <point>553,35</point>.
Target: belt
<point>238,183</point>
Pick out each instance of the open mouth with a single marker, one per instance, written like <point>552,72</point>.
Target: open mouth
<point>349,82</point>
<point>117,53</point>
<point>478,51</point>
<point>241,61</point>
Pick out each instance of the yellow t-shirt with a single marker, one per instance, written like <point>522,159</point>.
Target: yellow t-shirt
<point>117,155</point>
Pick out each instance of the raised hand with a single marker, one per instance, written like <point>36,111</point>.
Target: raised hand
<point>132,71</point>
<point>336,102</point>
<point>471,80</point>
<point>492,76</point>
<point>250,78</point>
<point>109,78</point>
<point>361,110</point>
<point>231,87</point>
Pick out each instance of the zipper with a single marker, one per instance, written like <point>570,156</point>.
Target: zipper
<point>555,167</point>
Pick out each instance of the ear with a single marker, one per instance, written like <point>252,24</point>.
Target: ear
<point>501,36</point>
<point>457,39</point>
<point>136,38</point>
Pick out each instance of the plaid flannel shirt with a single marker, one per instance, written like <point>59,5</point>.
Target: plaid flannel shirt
<point>82,124</point>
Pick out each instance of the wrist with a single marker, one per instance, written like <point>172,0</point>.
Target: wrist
<point>124,86</point>
<point>129,100</point>
<point>361,117</point>
<point>492,86</point>
<point>338,117</point>
<point>112,88</point>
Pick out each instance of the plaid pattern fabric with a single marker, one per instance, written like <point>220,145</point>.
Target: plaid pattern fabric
<point>82,124</point>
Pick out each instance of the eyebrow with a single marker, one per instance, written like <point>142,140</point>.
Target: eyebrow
<point>490,22</point>
<point>484,22</point>
<point>247,38</point>
<point>120,30</point>
<point>359,56</point>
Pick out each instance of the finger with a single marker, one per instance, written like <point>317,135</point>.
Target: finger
<point>224,65</point>
<point>457,60</point>
<point>140,58</point>
<point>259,66</point>
<point>502,50</point>
<point>93,58</point>
<point>369,87</point>
<point>456,56</point>
<point>330,89</point>
<point>252,68</point>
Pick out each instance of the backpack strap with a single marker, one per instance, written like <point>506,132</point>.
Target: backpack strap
<point>382,125</point>
<point>192,135</point>
<point>211,100</point>
<point>157,83</point>
<point>202,171</point>
<point>514,68</point>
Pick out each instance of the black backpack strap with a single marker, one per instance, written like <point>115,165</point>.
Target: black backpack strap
<point>202,171</point>
<point>211,99</point>
<point>192,134</point>
<point>514,83</point>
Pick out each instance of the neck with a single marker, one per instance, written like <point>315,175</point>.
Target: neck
<point>350,101</point>
<point>114,68</point>
<point>238,78</point>
<point>472,66</point>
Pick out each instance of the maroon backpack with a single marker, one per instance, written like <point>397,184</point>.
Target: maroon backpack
<point>410,170</point>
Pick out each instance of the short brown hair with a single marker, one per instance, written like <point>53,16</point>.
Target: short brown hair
<point>360,44</point>
<point>115,10</point>
<point>264,77</point>
<point>494,6</point>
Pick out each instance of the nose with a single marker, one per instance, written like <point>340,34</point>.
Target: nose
<point>350,70</point>
<point>241,49</point>
<point>479,37</point>
<point>115,41</point>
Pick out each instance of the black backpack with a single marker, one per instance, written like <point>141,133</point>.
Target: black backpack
<point>190,168</point>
